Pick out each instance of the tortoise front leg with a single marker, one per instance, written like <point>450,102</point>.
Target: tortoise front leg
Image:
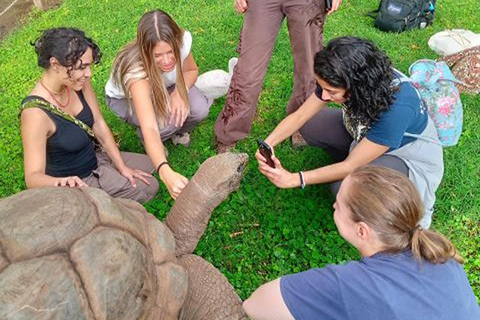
<point>210,296</point>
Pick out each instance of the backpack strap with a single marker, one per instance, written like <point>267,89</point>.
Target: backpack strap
<point>40,103</point>
<point>422,137</point>
<point>404,78</point>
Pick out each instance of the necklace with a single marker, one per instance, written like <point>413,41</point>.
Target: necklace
<point>52,94</point>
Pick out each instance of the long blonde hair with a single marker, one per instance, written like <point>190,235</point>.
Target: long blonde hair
<point>136,61</point>
<point>390,204</point>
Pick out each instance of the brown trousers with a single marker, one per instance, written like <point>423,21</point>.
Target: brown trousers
<point>261,24</point>
<point>107,177</point>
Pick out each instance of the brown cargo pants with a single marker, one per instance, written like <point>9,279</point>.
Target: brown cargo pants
<point>109,179</point>
<point>261,24</point>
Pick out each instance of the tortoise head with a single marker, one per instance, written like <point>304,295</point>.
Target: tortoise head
<point>216,178</point>
<point>222,173</point>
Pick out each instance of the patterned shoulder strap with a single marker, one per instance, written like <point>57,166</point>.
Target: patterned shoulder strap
<point>35,103</point>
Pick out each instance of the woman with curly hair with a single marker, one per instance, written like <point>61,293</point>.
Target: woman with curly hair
<point>382,121</point>
<point>406,272</point>
<point>66,141</point>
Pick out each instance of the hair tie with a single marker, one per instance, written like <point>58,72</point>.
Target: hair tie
<point>412,230</point>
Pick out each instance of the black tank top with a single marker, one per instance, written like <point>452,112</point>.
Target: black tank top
<point>70,152</point>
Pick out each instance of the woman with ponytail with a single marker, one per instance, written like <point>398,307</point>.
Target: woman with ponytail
<point>152,86</point>
<point>406,272</point>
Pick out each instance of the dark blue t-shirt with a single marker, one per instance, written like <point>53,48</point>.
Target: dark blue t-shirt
<point>406,114</point>
<point>381,287</point>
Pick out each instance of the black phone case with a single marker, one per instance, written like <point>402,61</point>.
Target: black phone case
<point>328,5</point>
<point>266,152</point>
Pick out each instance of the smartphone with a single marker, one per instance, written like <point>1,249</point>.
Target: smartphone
<point>328,5</point>
<point>266,152</point>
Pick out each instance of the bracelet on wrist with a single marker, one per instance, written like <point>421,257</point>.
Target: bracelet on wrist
<point>302,180</point>
<point>161,165</point>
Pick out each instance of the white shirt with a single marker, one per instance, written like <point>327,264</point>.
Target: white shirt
<point>169,78</point>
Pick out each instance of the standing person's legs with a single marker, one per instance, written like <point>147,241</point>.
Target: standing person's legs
<point>306,40</point>
<point>260,29</point>
<point>107,177</point>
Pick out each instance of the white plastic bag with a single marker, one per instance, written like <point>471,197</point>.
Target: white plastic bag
<point>453,41</point>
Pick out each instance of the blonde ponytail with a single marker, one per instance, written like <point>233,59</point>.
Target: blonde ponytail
<point>390,204</point>
<point>433,246</point>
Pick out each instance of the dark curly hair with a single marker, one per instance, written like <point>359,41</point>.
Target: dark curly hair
<point>67,45</point>
<point>365,71</point>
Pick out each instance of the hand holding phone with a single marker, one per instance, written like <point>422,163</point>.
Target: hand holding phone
<point>266,152</point>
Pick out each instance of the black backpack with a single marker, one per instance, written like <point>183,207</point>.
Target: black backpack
<point>401,15</point>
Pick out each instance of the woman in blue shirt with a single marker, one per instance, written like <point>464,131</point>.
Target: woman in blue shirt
<point>382,121</point>
<point>406,272</point>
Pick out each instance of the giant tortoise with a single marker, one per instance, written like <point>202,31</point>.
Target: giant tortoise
<point>77,253</point>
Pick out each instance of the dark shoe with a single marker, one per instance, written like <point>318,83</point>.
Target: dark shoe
<point>297,140</point>
<point>223,148</point>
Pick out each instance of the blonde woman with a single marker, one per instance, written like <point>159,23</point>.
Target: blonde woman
<point>152,88</point>
<point>61,120</point>
<point>406,272</point>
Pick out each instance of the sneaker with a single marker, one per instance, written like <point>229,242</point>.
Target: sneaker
<point>181,138</point>
<point>223,148</point>
<point>297,140</point>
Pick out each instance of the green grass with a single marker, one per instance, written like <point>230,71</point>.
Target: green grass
<point>260,232</point>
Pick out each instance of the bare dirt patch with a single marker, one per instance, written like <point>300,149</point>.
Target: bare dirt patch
<point>14,12</point>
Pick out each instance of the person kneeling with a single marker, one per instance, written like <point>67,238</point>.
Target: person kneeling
<point>382,121</point>
<point>152,86</point>
<point>61,122</point>
<point>406,272</point>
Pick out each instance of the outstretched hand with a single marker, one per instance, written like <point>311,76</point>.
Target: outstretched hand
<point>278,175</point>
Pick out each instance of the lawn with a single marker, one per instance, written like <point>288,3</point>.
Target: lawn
<point>260,232</point>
